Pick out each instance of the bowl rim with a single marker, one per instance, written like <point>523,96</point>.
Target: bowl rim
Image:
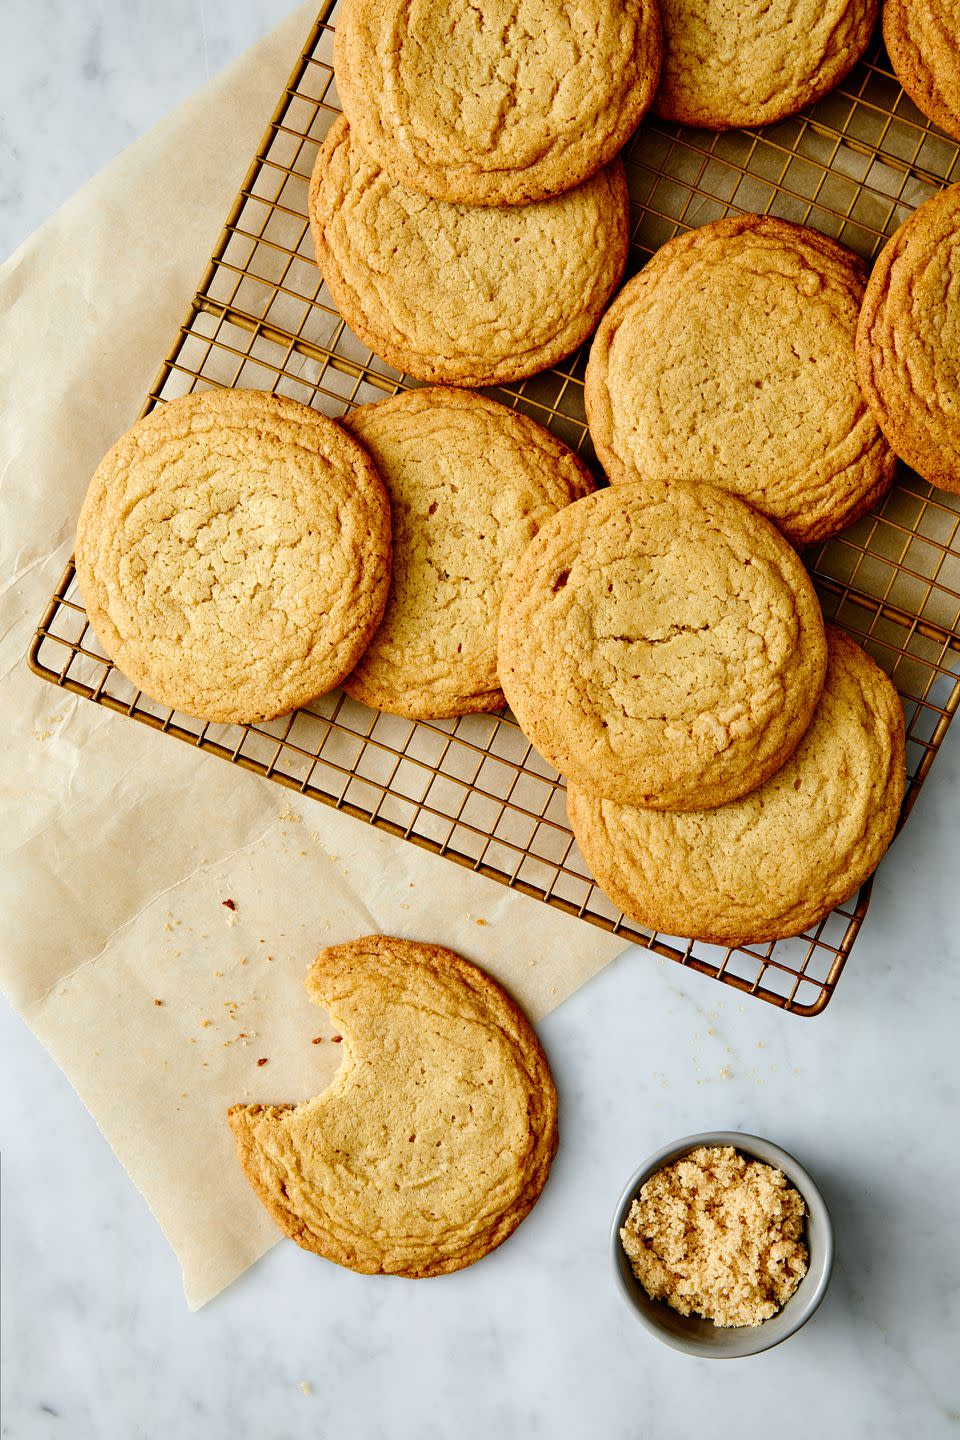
<point>798,1176</point>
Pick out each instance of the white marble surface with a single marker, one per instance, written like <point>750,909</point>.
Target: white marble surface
<point>534,1341</point>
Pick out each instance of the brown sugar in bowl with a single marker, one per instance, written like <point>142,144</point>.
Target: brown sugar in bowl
<point>692,1334</point>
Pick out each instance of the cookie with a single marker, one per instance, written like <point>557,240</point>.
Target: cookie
<point>923,41</point>
<point>233,553</point>
<point>498,104</point>
<point>908,340</point>
<point>662,645</point>
<point>436,1136</point>
<point>777,861</point>
<point>470,483</point>
<point>473,295</point>
<point>731,359</point>
<point>755,61</point>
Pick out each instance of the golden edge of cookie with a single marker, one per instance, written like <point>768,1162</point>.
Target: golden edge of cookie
<point>542,1089</point>
<point>905,433</point>
<point>420,705</point>
<point>99,617</point>
<point>471,185</point>
<point>914,71</point>
<point>413,707</point>
<point>683,797</point>
<point>652,914</point>
<point>596,389</point>
<point>452,371</point>
<point>668,107</point>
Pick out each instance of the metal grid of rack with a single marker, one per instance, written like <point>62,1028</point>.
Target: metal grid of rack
<point>473,789</point>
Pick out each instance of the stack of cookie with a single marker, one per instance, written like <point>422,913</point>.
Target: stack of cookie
<point>240,554</point>
<point>469,210</point>
<point>734,769</point>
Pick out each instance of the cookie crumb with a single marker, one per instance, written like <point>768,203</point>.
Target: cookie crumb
<point>718,1235</point>
<point>335,1039</point>
<point>158,1002</point>
<point>229,904</point>
<point>306,1387</point>
<point>262,1061</point>
<point>480,922</point>
<point>205,1024</point>
<point>317,1040</point>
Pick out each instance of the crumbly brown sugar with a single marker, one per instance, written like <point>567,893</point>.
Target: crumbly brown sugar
<point>718,1235</point>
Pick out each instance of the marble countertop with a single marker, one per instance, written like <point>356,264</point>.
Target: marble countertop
<point>536,1340</point>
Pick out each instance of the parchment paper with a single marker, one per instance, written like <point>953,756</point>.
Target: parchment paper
<point>119,844</point>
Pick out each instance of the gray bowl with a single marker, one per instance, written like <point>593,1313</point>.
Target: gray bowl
<point>692,1334</point>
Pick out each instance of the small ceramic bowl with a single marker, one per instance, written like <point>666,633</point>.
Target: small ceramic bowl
<point>692,1334</point>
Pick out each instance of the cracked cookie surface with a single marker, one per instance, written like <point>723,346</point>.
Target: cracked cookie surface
<point>755,61</point>
<point>233,552</point>
<point>470,483</point>
<point>436,1136</point>
<point>662,645</point>
<point>730,359</point>
<point>498,103</point>
<point>468,294</point>
<point>908,340</point>
<point>923,41</point>
<point>775,862</point>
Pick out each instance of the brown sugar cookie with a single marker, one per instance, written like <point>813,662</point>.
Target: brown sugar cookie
<point>470,483</point>
<point>473,295</point>
<point>233,552</point>
<point>755,61</point>
<point>731,359</point>
<point>777,861</point>
<point>662,645</point>
<point>908,340</point>
<point>434,1139</point>
<point>495,104</point>
<point>923,41</point>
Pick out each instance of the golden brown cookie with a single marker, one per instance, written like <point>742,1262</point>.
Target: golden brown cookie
<point>500,103</point>
<point>436,1136</point>
<point>908,340</point>
<point>470,483</point>
<point>662,645</point>
<point>923,41</point>
<point>755,61</point>
<point>777,861</point>
<point>233,554</point>
<point>731,359</point>
<point>473,295</point>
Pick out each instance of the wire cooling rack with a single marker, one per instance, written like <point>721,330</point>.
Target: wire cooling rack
<point>472,789</point>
